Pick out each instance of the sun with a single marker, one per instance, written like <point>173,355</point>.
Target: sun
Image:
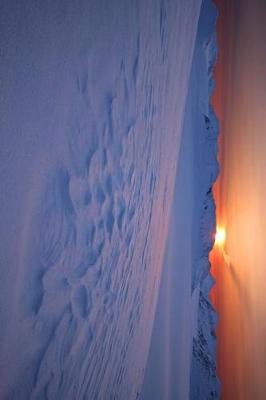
<point>220,236</point>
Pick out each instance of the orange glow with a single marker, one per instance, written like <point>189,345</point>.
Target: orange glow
<point>220,236</point>
<point>240,193</point>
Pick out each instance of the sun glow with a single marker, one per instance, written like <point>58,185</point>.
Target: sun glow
<point>220,236</point>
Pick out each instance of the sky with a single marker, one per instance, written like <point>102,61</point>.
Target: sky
<point>240,293</point>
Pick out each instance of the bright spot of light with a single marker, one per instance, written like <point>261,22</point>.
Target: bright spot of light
<point>220,236</point>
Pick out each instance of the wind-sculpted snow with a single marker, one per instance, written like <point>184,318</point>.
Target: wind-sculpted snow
<point>82,297</point>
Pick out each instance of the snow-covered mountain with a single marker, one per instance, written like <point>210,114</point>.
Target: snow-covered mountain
<point>182,358</point>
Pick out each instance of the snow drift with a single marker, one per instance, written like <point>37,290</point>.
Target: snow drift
<point>92,98</point>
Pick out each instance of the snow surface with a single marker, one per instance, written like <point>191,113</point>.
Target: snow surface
<point>182,357</point>
<point>92,103</point>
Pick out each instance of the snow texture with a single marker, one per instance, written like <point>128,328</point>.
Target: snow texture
<point>92,98</point>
